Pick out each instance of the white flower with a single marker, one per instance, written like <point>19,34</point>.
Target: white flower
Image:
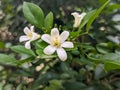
<point>57,43</point>
<point>78,18</point>
<point>29,37</point>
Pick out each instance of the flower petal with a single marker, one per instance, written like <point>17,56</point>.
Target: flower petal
<point>27,30</point>
<point>27,45</point>
<point>62,54</point>
<point>78,18</point>
<point>67,45</point>
<point>34,36</point>
<point>49,50</point>
<point>54,32</point>
<point>64,35</point>
<point>83,14</point>
<point>23,38</point>
<point>32,28</point>
<point>75,14</point>
<point>46,38</point>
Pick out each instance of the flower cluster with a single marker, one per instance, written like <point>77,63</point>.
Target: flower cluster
<point>57,42</point>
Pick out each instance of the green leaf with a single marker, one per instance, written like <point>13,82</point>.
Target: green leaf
<point>111,66</point>
<point>112,7</point>
<point>40,52</point>
<point>8,87</point>
<point>103,48</point>
<point>99,72</point>
<point>111,57</point>
<point>1,86</point>
<point>84,61</point>
<point>40,44</point>
<point>74,86</point>
<point>111,60</point>
<point>44,78</point>
<point>86,18</point>
<point>19,87</point>
<point>29,59</point>
<point>101,2</point>
<point>74,34</point>
<point>22,49</point>
<point>7,59</point>
<point>75,52</point>
<point>33,14</point>
<point>55,85</point>
<point>48,22</point>
<point>96,15</point>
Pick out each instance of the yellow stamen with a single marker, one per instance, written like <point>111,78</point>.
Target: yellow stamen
<point>29,35</point>
<point>56,42</point>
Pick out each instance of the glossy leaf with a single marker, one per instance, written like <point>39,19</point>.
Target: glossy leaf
<point>55,85</point>
<point>33,14</point>
<point>112,66</point>
<point>96,15</point>
<point>112,7</point>
<point>22,49</point>
<point>40,44</point>
<point>111,60</point>
<point>48,22</point>
<point>1,86</point>
<point>7,59</point>
<point>86,18</point>
<point>103,48</point>
<point>101,2</point>
<point>19,87</point>
<point>27,60</point>
<point>74,86</point>
<point>8,87</point>
<point>99,72</point>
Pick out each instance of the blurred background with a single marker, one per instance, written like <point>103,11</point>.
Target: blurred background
<point>104,36</point>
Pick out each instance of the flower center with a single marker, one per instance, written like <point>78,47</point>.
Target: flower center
<point>30,35</point>
<point>56,42</point>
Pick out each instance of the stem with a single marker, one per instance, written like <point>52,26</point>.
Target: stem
<point>74,29</point>
<point>83,33</point>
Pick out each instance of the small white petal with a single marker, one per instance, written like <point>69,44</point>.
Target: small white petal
<point>46,38</point>
<point>27,45</point>
<point>83,14</point>
<point>35,36</point>
<point>67,45</point>
<point>23,38</point>
<point>32,28</point>
<point>78,18</point>
<point>62,54</point>
<point>49,50</point>
<point>75,14</point>
<point>27,30</point>
<point>54,32</point>
<point>64,35</point>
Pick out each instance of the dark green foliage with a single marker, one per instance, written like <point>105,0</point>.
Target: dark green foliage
<point>94,62</point>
